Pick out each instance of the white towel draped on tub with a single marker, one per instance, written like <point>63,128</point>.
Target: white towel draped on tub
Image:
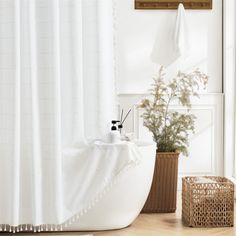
<point>175,43</point>
<point>91,172</point>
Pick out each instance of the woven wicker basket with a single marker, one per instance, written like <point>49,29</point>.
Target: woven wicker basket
<point>207,201</point>
<point>162,196</point>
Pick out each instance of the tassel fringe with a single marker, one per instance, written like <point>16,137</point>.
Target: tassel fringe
<point>74,218</point>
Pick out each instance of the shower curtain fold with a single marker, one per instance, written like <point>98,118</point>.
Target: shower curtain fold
<point>43,105</point>
<point>17,122</point>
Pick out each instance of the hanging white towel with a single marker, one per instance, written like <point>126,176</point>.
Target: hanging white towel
<point>181,36</point>
<point>174,44</point>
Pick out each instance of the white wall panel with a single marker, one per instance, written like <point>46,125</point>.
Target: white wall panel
<point>206,144</point>
<point>137,30</point>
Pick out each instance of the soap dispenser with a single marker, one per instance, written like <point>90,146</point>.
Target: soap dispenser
<point>114,134</point>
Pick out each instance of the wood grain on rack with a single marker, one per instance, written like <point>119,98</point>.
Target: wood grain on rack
<point>173,4</point>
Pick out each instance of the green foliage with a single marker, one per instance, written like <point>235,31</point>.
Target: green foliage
<point>170,128</point>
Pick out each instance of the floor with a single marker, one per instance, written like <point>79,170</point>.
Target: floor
<point>154,225</point>
<point>166,225</point>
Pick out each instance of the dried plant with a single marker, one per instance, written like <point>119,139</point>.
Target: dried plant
<point>170,128</point>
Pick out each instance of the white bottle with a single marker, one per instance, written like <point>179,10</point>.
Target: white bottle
<point>114,136</point>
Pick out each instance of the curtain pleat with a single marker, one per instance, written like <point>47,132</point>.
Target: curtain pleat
<point>106,107</point>
<point>15,194</point>
<point>77,65</point>
<point>58,110</point>
<point>35,111</point>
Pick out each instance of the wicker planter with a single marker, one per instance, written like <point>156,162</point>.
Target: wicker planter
<point>207,201</point>
<point>162,196</point>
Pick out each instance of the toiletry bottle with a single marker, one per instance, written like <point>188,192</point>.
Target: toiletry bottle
<point>114,134</point>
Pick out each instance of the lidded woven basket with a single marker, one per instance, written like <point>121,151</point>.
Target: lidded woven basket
<point>207,201</point>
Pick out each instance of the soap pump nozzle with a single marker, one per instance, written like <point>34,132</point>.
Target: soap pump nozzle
<point>114,127</point>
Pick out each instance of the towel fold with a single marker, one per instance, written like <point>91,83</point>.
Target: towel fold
<point>181,36</point>
<point>168,50</point>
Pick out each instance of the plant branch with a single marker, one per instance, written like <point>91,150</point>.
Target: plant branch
<point>170,129</point>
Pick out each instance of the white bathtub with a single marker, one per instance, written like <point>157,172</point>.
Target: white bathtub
<point>123,203</point>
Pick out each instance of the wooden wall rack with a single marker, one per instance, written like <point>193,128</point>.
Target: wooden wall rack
<point>173,4</point>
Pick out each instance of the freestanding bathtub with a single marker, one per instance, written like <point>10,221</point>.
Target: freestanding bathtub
<point>124,201</point>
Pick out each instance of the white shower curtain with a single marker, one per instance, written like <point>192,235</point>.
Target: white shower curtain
<point>56,90</point>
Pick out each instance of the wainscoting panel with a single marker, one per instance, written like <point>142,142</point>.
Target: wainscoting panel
<point>206,144</point>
